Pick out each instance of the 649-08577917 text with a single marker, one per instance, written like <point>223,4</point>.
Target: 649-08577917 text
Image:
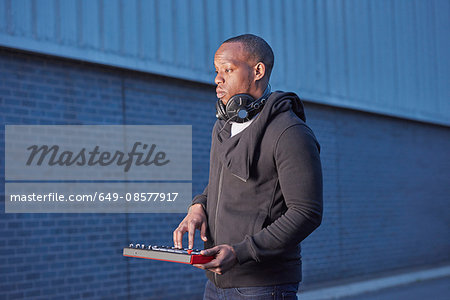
<point>102,197</point>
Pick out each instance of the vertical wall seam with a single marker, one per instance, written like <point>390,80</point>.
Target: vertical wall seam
<point>338,188</point>
<point>33,19</point>
<point>371,78</point>
<point>345,52</point>
<point>175,44</point>
<point>79,17</point>
<point>157,35</point>
<point>127,224</point>
<point>438,103</point>
<point>138,13</point>
<point>395,54</point>
<point>57,23</point>
<point>418,87</point>
<point>327,55</point>
<point>121,28</point>
<point>101,24</point>
<point>205,36</point>
<point>316,46</point>
<point>8,17</point>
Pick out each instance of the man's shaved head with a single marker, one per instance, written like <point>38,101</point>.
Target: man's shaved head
<point>258,50</point>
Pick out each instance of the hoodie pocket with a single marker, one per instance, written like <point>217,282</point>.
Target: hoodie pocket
<point>259,222</point>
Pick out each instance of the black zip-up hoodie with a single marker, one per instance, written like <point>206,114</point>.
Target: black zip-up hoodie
<point>264,194</point>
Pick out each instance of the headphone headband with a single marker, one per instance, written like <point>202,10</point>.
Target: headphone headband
<point>241,108</point>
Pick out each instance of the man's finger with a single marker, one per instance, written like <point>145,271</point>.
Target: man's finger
<point>212,264</point>
<point>178,236</point>
<point>215,270</point>
<point>200,266</point>
<point>203,232</point>
<point>191,234</point>
<point>175,237</point>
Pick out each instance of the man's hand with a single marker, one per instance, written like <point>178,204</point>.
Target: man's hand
<point>225,259</point>
<point>195,219</point>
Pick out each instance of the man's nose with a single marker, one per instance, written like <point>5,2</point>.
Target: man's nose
<point>218,79</point>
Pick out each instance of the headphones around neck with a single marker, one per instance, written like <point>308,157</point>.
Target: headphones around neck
<point>241,108</point>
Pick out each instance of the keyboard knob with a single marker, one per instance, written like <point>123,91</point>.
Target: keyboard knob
<point>130,246</point>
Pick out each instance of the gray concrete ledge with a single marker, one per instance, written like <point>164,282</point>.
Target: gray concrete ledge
<point>356,288</point>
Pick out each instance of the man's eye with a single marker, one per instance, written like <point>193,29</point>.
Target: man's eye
<point>227,70</point>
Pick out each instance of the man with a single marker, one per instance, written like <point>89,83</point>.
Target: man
<point>264,194</point>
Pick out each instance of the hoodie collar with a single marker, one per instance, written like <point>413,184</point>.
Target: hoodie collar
<point>237,153</point>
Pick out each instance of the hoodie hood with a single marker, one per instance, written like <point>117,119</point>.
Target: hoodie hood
<point>237,153</point>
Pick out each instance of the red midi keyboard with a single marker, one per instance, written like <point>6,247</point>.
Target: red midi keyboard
<point>164,253</point>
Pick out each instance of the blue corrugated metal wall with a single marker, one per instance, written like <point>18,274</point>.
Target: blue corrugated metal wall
<point>390,57</point>
<point>385,189</point>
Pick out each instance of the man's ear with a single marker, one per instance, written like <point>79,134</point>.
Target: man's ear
<point>260,71</point>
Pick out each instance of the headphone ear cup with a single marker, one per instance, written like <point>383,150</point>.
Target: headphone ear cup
<point>237,105</point>
<point>221,113</point>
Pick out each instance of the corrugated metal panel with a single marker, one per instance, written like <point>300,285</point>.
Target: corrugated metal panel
<point>383,56</point>
<point>92,27</point>
<point>441,22</point>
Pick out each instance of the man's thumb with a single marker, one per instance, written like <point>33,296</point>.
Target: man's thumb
<point>210,251</point>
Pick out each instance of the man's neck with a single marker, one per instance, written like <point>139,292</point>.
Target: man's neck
<point>260,91</point>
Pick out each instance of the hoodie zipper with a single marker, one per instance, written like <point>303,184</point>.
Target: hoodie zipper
<point>217,209</point>
<point>240,177</point>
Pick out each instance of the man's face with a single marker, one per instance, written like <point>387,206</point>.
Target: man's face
<point>235,74</point>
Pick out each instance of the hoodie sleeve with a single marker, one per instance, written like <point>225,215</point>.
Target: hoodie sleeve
<point>300,178</point>
<point>201,198</point>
